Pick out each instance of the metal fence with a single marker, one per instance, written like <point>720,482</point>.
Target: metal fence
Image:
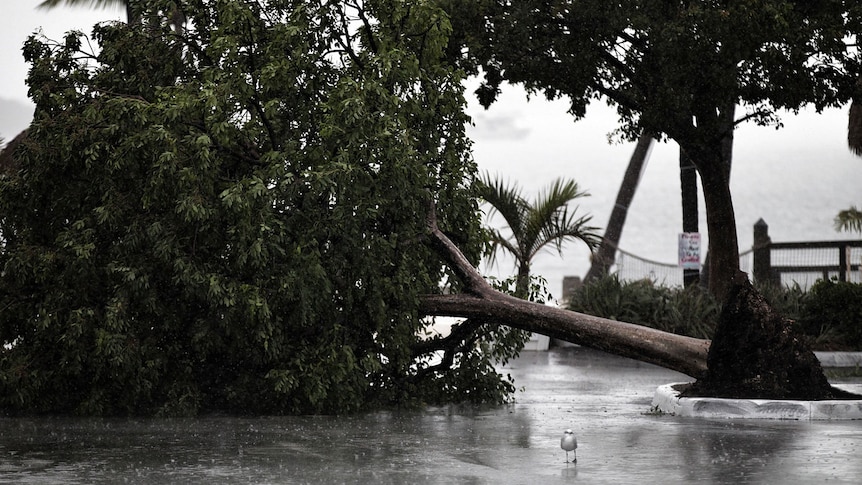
<point>803,263</point>
<point>785,263</point>
<point>631,267</point>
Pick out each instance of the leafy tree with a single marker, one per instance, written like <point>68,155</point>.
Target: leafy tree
<point>241,227</point>
<point>534,226</point>
<point>250,216</point>
<point>679,70</point>
<point>675,69</point>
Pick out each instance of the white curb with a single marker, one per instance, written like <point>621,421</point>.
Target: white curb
<point>667,400</point>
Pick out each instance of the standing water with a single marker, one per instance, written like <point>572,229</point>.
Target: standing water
<point>604,399</point>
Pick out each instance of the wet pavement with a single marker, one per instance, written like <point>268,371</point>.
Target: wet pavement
<point>604,399</point>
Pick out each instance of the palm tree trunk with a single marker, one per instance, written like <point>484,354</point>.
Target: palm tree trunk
<point>854,125</point>
<point>131,17</point>
<point>690,223</point>
<point>605,255</point>
<point>522,283</point>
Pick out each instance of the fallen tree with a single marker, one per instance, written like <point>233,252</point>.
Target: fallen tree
<point>757,353</point>
<point>480,300</point>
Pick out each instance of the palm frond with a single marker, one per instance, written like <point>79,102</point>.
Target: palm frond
<point>548,221</point>
<point>504,199</point>
<point>498,241</point>
<point>79,3</point>
<point>551,222</point>
<point>849,220</point>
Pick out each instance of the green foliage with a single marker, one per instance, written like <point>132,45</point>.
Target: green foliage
<point>672,69</point>
<point>832,314</point>
<point>469,354</point>
<point>231,218</point>
<point>829,313</point>
<point>686,311</point>
<point>666,65</point>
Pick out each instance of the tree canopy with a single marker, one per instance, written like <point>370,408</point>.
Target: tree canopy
<point>674,69</point>
<point>232,217</point>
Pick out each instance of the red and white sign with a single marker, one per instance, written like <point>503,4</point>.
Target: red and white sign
<point>689,250</point>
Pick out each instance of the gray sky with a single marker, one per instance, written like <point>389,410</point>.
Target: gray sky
<point>778,175</point>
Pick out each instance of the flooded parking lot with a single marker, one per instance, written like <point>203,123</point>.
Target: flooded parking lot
<point>604,399</point>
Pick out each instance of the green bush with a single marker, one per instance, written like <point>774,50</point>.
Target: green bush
<point>685,311</point>
<point>832,314</point>
<point>787,300</point>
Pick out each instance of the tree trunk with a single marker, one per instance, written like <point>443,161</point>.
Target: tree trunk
<point>522,281</point>
<point>133,17</point>
<point>720,219</point>
<point>854,123</point>
<point>480,300</point>
<point>756,353</point>
<point>605,255</point>
<point>682,354</point>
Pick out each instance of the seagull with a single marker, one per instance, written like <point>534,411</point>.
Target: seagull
<point>569,443</point>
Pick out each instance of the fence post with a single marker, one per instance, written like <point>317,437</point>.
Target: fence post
<point>762,264</point>
<point>570,284</point>
<point>843,266</point>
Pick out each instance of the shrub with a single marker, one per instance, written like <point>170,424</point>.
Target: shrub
<point>685,311</point>
<point>787,300</point>
<point>832,315</point>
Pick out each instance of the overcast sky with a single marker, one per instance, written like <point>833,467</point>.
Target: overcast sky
<point>536,142</point>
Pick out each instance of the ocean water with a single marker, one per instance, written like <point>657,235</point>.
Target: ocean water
<point>796,178</point>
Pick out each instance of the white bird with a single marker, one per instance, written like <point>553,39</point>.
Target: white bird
<point>569,443</point>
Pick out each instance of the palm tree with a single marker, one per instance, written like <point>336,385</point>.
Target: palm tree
<point>535,226</point>
<point>131,16</point>
<point>133,11</point>
<point>849,220</point>
<point>605,256</point>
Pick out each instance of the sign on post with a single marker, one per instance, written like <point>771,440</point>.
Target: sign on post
<point>689,250</point>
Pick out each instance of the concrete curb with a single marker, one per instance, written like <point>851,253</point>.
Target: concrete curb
<point>667,400</point>
<point>839,359</point>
